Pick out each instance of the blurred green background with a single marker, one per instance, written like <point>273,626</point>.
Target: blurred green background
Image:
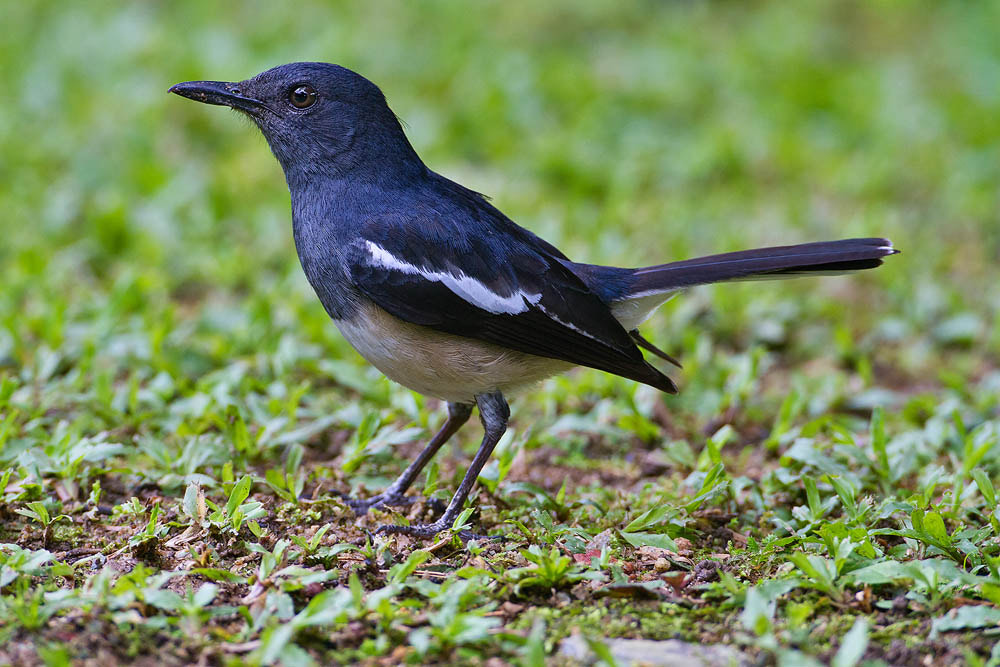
<point>626,133</point>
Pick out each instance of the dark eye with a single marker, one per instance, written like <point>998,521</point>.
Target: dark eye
<point>302,97</point>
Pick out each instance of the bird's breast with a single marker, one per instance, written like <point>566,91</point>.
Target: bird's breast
<point>452,368</point>
<point>322,262</point>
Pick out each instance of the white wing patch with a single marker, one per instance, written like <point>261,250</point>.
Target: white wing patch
<point>464,286</point>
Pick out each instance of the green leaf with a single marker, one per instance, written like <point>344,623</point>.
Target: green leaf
<point>239,493</point>
<point>601,650</point>
<point>985,487</point>
<point>714,483</point>
<point>7,386</point>
<point>973,456</point>
<point>324,609</point>
<point>653,517</point>
<point>431,478</point>
<point>40,511</point>
<point>273,642</point>
<point>933,525</point>
<point>917,520</point>
<point>278,481</point>
<point>294,460</point>
<point>991,592</point>
<point>205,594</point>
<point>822,572</point>
<point>659,540</point>
<point>154,514</point>
<point>357,592</point>
<point>758,611</point>
<point>964,618</point>
<point>7,427</point>
<point>318,536</point>
<point>31,515</point>
<point>883,572</point>
<point>879,441</point>
<point>853,646</point>
<point>812,497</point>
<point>164,599</point>
<point>327,553</point>
<point>533,650</point>
<point>461,521</point>
<point>218,574</point>
<point>846,492</point>
<point>420,640</point>
<point>713,477</point>
<point>399,572</point>
<point>717,441</point>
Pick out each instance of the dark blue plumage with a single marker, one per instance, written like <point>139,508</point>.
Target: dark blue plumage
<point>438,288</point>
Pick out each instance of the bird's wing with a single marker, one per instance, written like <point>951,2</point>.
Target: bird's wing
<point>509,294</point>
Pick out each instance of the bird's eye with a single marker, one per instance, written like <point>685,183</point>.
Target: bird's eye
<point>302,97</point>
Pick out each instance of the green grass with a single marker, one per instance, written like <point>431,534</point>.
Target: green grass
<point>178,415</point>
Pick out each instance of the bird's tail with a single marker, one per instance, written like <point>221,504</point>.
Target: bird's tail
<point>826,257</point>
<point>635,293</point>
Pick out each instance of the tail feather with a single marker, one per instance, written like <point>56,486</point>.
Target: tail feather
<point>827,257</point>
<point>649,347</point>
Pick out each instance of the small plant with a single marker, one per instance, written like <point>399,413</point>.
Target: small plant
<point>193,608</point>
<point>29,608</point>
<point>232,516</point>
<point>310,546</point>
<point>550,569</point>
<point>145,542</point>
<point>652,527</point>
<point>36,511</point>
<point>277,571</point>
<point>289,482</point>
<point>821,573</point>
<point>16,562</point>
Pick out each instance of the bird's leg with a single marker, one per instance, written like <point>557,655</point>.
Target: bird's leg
<point>493,413</point>
<point>458,414</point>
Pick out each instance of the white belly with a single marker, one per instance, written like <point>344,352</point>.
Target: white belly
<point>452,368</point>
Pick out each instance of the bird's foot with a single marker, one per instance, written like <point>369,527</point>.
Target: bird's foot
<point>361,506</point>
<point>415,530</point>
<point>431,529</point>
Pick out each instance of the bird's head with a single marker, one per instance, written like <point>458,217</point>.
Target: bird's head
<point>318,118</point>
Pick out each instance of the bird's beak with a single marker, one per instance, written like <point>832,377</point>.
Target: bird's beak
<point>222,93</point>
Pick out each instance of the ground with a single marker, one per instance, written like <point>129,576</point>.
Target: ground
<point>179,420</point>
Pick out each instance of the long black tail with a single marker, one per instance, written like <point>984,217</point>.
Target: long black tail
<point>829,257</point>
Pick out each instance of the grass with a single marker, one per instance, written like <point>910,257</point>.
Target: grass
<point>178,415</point>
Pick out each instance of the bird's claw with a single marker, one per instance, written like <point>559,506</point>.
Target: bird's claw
<point>416,530</point>
<point>361,506</point>
<point>427,530</point>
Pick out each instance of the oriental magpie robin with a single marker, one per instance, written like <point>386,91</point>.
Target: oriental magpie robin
<point>440,290</point>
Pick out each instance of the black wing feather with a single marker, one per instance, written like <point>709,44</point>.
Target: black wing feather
<point>567,322</point>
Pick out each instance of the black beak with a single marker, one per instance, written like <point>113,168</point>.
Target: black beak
<point>217,92</point>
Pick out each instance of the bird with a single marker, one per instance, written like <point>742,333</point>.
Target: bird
<point>442,292</point>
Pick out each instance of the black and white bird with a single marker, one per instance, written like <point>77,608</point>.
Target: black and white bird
<point>441,291</point>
